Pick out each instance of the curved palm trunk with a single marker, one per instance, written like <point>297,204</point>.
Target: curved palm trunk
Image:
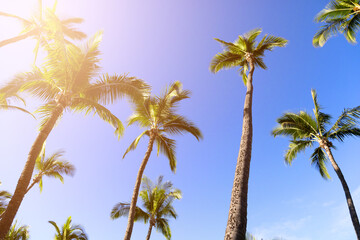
<point>236,224</point>
<point>137,187</point>
<point>18,38</point>
<point>24,180</point>
<point>149,232</point>
<point>349,200</point>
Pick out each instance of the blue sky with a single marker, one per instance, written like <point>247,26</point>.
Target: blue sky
<point>163,41</point>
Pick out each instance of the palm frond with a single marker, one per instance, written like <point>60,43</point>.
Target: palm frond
<point>134,144</point>
<point>318,159</point>
<point>179,125</point>
<point>225,60</point>
<point>87,106</point>
<point>167,147</point>
<point>295,147</point>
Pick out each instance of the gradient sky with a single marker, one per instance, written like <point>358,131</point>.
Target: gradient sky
<point>162,41</point>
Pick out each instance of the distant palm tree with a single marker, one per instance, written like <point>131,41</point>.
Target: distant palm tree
<point>18,232</point>
<point>306,130</point>
<point>68,231</point>
<point>66,83</point>
<point>339,16</point>
<point>157,115</point>
<point>246,54</point>
<point>52,166</point>
<point>43,27</point>
<point>157,202</point>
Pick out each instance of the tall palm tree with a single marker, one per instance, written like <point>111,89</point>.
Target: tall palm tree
<point>68,231</point>
<point>339,16</point>
<point>53,166</point>
<point>66,83</point>
<point>306,130</point>
<point>157,115</point>
<point>157,202</point>
<point>18,232</point>
<point>246,54</point>
<point>43,25</point>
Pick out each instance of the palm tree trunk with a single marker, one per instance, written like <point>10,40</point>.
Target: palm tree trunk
<point>24,180</point>
<point>18,38</point>
<point>149,232</point>
<point>137,187</point>
<point>237,220</point>
<point>349,200</point>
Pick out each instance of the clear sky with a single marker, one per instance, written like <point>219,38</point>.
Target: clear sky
<point>162,41</point>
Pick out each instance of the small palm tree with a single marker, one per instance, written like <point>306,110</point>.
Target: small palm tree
<point>306,130</point>
<point>66,83</point>
<point>42,28</point>
<point>52,166</point>
<point>246,54</point>
<point>157,115</point>
<point>69,232</point>
<point>18,232</point>
<point>157,202</point>
<point>339,16</point>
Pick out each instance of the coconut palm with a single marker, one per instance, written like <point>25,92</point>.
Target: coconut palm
<point>339,16</point>
<point>246,54</point>
<point>157,202</point>
<point>306,130</point>
<point>53,166</point>
<point>66,83</point>
<point>42,27</point>
<point>68,231</point>
<point>157,115</point>
<point>18,232</point>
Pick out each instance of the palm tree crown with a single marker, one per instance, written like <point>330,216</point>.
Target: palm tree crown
<point>68,231</point>
<point>158,116</point>
<point>306,130</point>
<point>53,166</point>
<point>339,16</point>
<point>245,50</point>
<point>43,25</point>
<point>18,232</point>
<point>157,202</point>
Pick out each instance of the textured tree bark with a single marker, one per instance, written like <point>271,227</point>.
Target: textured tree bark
<point>137,187</point>
<point>237,220</point>
<point>25,178</point>
<point>18,38</point>
<point>349,200</point>
<point>149,232</point>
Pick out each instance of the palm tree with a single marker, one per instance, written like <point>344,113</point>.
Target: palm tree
<point>246,54</point>
<point>52,166</point>
<point>157,115</point>
<point>18,232</point>
<point>69,232</point>
<point>306,130</point>
<point>43,27</point>
<point>65,83</point>
<point>339,16</point>
<point>157,202</point>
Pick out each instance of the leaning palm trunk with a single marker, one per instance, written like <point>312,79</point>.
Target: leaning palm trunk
<point>349,200</point>
<point>236,225</point>
<point>25,178</point>
<point>149,232</point>
<point>137,187</point>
